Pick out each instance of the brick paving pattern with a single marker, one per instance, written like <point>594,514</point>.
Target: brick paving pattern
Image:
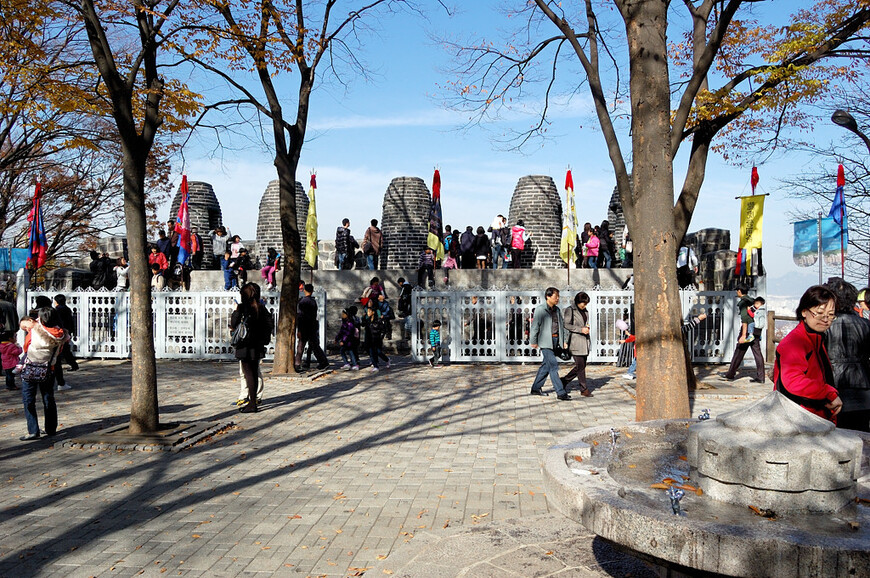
<point>328,479</point>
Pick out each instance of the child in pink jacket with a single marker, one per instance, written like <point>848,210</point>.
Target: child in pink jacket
<point>9,352</point>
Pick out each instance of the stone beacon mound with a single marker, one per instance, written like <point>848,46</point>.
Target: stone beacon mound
<point>766,490</point>
<point>205,213</point>
<point>537,202</point>
<point>404,222</point>
<point>269,221</point>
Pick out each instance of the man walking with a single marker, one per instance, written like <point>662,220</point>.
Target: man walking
<point>744,302</point>
<point>307,330</point>
<point>372,244</point>
<point>344,245</point>
<point>547,332</point>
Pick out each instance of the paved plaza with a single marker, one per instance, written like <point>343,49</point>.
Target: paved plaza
<point>346,474</point>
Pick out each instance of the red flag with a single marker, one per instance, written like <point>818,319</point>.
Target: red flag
<point>38,242</point>
<point>182,225</point>
<point>754,179</point>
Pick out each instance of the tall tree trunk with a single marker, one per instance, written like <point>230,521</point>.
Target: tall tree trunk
<point>661,379</point>
<point>144,415</point>
<point>287,163</point>
<point>285,340</point>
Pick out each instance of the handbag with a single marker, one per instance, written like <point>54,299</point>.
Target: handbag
<point>561,353</point>
<point>240,333</point>
<point>36,372</point>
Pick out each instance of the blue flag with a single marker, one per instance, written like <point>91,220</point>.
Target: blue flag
<point>806,241</point>
<point>838,208</point>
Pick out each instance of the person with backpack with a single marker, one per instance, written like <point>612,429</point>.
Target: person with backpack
<point>405,291</point>
<point>499,249</point>
<point>519,236</point>
<point>373,242</point>
<point>386,313</point>
<point>374,334</point>
<point>45,340</point>
<point>344,340</point>
<point>345,245</point>
<point>258,327</point>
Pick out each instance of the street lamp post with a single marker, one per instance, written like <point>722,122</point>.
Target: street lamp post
<point>847,121</point>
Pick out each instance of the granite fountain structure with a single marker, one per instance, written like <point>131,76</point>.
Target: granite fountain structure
<point>767,490</point>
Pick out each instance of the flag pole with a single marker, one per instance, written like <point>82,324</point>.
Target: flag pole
<point>842,247</point>
<point>568,264</point>
<point>819,229</point>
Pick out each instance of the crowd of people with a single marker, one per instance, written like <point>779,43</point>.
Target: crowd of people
<point>499,246</point>
<point>229,255</point>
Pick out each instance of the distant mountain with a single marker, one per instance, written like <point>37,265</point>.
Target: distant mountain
<point>793,284</point>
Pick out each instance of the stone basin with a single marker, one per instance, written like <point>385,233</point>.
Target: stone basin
<point>607,488</point>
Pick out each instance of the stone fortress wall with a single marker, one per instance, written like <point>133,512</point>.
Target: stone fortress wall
<point>404,221</point>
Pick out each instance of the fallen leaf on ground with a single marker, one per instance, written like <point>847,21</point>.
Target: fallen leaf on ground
<point>578,458</point>
<point>660,486</point>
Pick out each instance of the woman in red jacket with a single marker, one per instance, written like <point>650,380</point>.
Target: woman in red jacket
<point>802,371</point>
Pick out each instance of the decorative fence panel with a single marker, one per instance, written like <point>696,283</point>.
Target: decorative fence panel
<point>187,324</point>
<point>493,325</point>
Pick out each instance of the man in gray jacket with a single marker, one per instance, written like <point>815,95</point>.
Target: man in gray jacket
<point>548,330</point>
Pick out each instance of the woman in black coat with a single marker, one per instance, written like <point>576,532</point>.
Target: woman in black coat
<point>260,325</point>
<point>849,351</point>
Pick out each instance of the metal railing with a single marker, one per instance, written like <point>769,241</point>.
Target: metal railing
<point>493,325</point>
<point>187,324</point>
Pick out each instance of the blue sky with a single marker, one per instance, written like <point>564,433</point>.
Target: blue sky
<point>394,124</point>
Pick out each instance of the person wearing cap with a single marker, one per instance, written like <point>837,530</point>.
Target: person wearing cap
<point>240,266</point>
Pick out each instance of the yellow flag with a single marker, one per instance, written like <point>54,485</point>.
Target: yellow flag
<point>751,214</point>
<point>569,223</point>
<point>311,250</point>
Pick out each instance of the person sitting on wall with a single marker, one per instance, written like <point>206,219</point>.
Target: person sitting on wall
<point>267,271</point>
<point>240,266</point>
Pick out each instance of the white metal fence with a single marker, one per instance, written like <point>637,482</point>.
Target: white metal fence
<point>187,324</point>
<point>493,325</point>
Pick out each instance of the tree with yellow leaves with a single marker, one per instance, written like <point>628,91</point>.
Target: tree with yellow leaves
<point>124,39</point>
<point>273,39</point>
<point>760,72</point>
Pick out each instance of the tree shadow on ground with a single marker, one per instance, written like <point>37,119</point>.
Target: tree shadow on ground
<point>414,421</point>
